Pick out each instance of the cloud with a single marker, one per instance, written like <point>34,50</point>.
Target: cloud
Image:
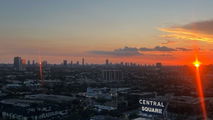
<point>157,48</point>
<point>183,49</point>
<point>168,42</point>
<point>200,31</point>
<point>126,51</point>
<point>205,27</point>
<point>133,51</point>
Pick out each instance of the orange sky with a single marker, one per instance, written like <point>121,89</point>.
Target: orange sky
<point>144,32</point>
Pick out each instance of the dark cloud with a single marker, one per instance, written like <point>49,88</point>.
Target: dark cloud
<point>126,51</point>
<point>157,48</point>
<point>202,26</point>
<point>183,49</point>
<point>133,51</point>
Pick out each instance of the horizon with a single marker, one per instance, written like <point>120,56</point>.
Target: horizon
<point>79,62</point>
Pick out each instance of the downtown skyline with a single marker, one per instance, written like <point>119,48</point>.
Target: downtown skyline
<point>144,32</point>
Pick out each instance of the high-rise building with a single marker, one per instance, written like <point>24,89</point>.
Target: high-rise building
<point>44,63</point>
<point>33,62</point>
<point>107,62</point>
<point>28,62</point>
<point>24,63</point>
<point>65,62</point>
<point>18,63</point>
<point>82,61</point>
<point>158,65</point>
<point>112,75</point>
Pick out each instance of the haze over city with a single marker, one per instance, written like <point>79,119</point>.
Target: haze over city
<point>144,32</point>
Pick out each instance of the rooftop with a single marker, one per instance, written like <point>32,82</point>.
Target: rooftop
<point>50,97</point>
<point>20,102</point>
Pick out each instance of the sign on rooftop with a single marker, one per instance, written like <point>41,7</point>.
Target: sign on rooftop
<point>153,107</point>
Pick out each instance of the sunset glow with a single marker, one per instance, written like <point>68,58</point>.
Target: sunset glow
<point>181,33</point>
<point>62,31</point>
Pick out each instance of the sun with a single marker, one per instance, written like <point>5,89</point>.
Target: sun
<point>197,63</point>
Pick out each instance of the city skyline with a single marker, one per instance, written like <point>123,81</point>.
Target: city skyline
<point>19,61</point>
<point>144,32</point>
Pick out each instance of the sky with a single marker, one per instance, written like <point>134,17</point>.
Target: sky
<point>141,31</point>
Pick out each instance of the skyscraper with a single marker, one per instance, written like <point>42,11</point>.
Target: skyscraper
<point>112,75</point>
<point>18,63</point>
<point>65,62</point>
<point>33,62</point>
<point>44,63</point>
<point>77,63</point>
<point>82,61</point>
<point>107,62</point>
<point>23,64</point>
<point>158,65</point>
<point>28,62</point>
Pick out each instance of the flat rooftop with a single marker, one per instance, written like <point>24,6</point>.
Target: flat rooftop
<point>50,97</point>
<point>20,102</point>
